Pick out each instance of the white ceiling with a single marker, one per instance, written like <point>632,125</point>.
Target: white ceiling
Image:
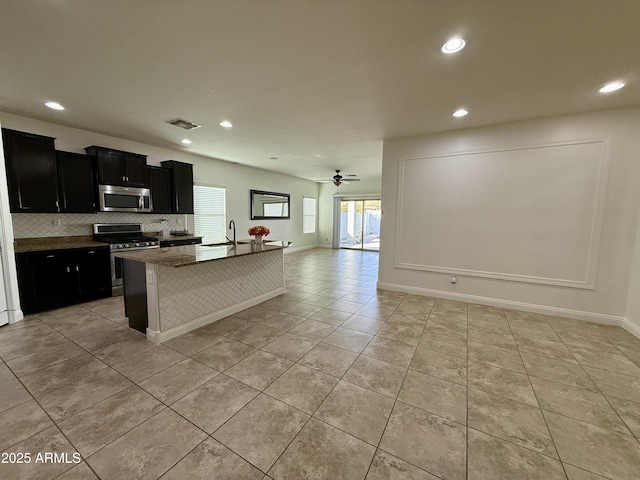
<point>317,83</point>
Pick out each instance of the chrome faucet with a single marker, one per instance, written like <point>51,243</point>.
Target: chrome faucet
<point>233,223</point>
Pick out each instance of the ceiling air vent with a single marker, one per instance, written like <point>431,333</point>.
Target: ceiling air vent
<point>179,122</point>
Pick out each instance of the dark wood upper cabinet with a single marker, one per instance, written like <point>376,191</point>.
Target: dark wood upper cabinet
<point>160,185</point>
<point>181,185</point>
<point>31,172</point>
<point>116,167</point>
<point>136,170</point>
<point>77,182</point>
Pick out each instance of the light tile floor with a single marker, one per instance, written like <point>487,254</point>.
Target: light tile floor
<point>333,380</point>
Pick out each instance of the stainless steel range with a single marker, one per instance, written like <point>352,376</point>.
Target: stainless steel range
<point>121,237</point>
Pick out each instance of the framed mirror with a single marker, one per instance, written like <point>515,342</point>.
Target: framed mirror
<point>269,205</point>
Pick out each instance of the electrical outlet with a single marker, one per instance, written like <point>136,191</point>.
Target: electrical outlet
<point>150,278</point>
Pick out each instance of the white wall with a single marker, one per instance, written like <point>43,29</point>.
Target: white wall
<point>237,179</point>
<point>605,300</point>
<point>328,191</point>
<point>632,314</point>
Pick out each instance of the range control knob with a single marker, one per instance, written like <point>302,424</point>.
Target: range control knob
<point>137,244</point>
<point>119,245</point>
<point>126,245</point>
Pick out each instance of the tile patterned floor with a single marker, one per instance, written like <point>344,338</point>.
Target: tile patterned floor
<point>332,380</point>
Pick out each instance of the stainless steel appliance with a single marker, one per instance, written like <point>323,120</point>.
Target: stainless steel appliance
<point>122,237</point>
<point>114,198</point>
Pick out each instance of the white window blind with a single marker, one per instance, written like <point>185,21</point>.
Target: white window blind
<point>209,213</point>
<point>308,215</point>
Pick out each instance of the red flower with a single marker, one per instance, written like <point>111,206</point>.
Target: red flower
<point>259,230</point>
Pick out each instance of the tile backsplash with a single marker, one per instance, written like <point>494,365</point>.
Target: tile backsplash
<point>33,225</point>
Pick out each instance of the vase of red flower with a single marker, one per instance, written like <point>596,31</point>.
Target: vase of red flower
<point>258,232</point>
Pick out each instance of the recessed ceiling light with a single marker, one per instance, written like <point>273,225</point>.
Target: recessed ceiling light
<point>186,141</point>
<point>461,112</point>
<point>453,45</point>
<point>54,105</point>
<point>611,87</point>
<point>226,124</point>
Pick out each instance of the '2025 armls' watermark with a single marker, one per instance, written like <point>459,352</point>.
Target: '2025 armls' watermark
<point>41,457</point>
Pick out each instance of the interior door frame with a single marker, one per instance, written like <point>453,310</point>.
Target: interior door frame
<point>8,268</point>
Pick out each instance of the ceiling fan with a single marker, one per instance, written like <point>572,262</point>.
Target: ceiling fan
<point>339,179</point>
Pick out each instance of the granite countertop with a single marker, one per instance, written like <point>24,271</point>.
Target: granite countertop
<point>178,237</point>
<point>186,255</point>
<point>23,245</point>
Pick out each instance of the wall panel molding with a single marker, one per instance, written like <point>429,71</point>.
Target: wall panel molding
<point>526,214</point>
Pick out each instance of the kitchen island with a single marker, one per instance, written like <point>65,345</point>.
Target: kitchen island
<point>171,291</point>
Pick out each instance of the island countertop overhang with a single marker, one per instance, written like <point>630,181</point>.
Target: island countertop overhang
<point>182,256</point>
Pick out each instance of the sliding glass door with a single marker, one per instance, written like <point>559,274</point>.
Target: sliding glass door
<point>360,224</point>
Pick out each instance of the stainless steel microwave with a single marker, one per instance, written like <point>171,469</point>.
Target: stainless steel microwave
<point>114,198</point>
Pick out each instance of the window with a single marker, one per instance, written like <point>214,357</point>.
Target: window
<point>308,215</point>
<point>209,213</point>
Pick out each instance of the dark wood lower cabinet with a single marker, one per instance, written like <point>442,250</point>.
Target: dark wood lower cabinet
<point>57,278</point>
<point>135,295</point>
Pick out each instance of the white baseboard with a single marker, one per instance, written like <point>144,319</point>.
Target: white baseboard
<point>496,302</point>
<point>158,337</point>
<point>631,327</point>
<point>14,316</point>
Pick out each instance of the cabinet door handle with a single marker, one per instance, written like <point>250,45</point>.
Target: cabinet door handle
<point>51,256</point>
<point>124,179</point>
<point>68,269</point>
<point>91,251</point>
<point>77,268</point>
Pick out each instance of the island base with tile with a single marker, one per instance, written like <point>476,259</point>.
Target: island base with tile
<point>171,291</point>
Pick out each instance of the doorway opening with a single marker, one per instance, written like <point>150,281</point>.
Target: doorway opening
<point>360,224</point>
